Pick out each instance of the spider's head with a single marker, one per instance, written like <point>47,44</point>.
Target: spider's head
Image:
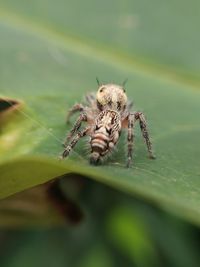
<point>111,96</point>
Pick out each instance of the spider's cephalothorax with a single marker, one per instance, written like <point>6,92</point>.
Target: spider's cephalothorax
<point>111,96</point>
<point>106,114</point>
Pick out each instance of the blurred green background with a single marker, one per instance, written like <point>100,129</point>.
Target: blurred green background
<point>50,53</point>
<point>113,230</point>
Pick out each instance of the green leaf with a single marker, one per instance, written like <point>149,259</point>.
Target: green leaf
<point>49,60</point>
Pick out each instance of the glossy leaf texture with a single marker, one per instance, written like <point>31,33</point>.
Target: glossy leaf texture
<point>49,60</point>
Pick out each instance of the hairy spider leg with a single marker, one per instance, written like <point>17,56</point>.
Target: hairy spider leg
<point>90,98</point>
<point>143,126</point>
<point>74,141</point>
<point>130,137</point>
<point>82,117</point>
<point>73,110</point>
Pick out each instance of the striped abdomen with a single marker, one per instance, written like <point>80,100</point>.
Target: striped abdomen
<point>105,134</point>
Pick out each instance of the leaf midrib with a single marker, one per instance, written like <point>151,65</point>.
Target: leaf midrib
<point>87,48</point>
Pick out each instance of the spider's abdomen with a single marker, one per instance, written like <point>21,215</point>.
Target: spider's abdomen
<point>105,134</point>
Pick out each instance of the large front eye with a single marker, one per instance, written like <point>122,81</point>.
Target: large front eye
<point>101,90</point>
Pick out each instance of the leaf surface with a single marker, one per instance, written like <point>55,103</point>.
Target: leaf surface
<point>49,69</point>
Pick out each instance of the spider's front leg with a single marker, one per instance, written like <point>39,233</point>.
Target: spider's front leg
<point>143,126</point>
<point>130,137</point>
<point>82,117</point>
<point>74,142</point>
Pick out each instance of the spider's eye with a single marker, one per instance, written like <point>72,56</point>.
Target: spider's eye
<point>101,90</point>
<point>124,90</point>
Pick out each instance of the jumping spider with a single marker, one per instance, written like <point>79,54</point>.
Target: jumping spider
<point>106,114</point>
